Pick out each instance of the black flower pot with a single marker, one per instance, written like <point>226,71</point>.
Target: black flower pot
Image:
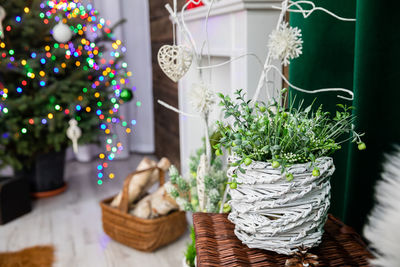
<point>46,177</point>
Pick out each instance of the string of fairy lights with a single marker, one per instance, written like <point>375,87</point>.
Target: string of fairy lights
<point>87,55</point>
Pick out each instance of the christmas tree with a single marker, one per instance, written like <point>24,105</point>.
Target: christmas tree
<point>58,61</point>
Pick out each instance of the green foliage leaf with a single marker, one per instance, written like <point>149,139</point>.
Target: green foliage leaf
<point>285,135</point>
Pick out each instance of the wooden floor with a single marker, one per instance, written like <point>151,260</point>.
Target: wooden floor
<point>72,223</point>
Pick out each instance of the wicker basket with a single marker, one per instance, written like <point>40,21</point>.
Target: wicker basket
<point>142,234</point>
<point>272,213</point>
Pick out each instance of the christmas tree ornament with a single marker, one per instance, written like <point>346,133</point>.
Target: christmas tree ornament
<point>62,33</point>
<point>74,133</point>
<point>2,16</point>
<point>285,43</point>
<point>175,61</point>
<point>202,98</point>
<point>126,95</point>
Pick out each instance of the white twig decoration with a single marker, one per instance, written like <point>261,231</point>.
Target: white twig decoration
<point>307,12</point>
<point>287,6</point>
<point>221,209</point>
<point>202,100</point>
<point>291,49</point>
<point>168,106</point>
<point>181,24</point>
<point>314,91</point>
<point>231,60</point>
<point>267,66</point>
<point>350,93</point>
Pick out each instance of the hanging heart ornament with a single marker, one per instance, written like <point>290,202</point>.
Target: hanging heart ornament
<point>175,61</point>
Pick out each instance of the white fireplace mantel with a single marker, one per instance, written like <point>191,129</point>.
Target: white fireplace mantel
<point>235,27</point>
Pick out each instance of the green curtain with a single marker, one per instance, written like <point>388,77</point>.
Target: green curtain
<point>377,96</point>
<point>360,56</point>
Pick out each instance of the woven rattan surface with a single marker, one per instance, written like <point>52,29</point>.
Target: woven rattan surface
<point>217,245</point>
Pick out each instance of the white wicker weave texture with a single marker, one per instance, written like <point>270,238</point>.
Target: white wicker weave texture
<point>273,214</point>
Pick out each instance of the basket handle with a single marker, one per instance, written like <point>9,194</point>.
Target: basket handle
<point>124,203</point>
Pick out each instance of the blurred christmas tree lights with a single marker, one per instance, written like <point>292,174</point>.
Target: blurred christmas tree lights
<point>47,83</point>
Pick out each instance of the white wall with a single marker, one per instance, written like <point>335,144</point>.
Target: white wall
<point>135,34</point>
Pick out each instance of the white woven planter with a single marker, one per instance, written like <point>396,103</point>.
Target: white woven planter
<point>273,214</point>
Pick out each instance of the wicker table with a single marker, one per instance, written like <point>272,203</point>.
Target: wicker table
<point>217,245</point>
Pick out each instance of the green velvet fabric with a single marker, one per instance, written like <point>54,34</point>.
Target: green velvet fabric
<point>360,56</point>
<point>377,96</point>
<point>327,62</point>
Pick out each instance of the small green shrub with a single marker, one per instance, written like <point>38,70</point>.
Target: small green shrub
<point>282,136</point>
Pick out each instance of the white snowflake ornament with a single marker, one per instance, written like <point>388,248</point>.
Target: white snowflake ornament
<point>202,98</point>
<point>285,43</point>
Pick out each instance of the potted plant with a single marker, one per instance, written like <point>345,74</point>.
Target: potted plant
<point>280,167</point>
<point>193,195</point>
<point>54,71</point>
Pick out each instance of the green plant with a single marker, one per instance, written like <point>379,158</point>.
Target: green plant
<point>190,253</point>
<point>185,190</point>
<point>282,136</point>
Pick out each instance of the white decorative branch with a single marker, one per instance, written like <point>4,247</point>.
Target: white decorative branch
<point>231,60</point>
<point>307,12</point>
<point>286,7</point>
<point>317,90</point>
<point>285,79</point>
<point>168,106</point>
<point>182,27</point>
<point>221,208</point>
